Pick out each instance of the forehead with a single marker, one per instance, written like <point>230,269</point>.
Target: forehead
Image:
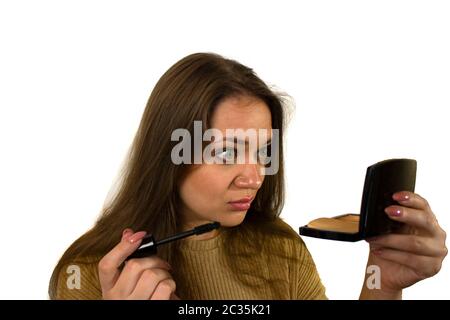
<point>242,112</point>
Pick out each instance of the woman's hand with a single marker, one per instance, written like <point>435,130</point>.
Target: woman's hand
<point>143,278</point>
<point>414,254</point>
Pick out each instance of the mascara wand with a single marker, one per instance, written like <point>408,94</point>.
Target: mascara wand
<point>149,244</point>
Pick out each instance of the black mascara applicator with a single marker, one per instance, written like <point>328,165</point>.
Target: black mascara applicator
<point>149,244</point>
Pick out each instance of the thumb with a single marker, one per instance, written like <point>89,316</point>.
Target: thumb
<point>110,263</point>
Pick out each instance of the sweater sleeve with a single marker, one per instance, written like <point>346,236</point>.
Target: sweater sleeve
<point>306,281</point>
<point>79,281</point>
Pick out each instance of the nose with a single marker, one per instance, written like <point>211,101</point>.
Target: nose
<point>249,177</point>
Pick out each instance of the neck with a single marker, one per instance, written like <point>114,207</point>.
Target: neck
<point>204,236</point>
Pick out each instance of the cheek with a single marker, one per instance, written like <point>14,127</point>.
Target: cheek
<point>204,189</point>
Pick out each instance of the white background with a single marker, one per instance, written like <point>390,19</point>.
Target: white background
<point>370,80</point>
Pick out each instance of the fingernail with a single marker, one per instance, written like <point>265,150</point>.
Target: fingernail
<point>401,196</point>
<point>376,251</point>
<point>137,236</point>
<point>126,233</point>
<point>394,212</point>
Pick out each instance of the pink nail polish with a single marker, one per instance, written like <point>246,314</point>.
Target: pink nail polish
<point>405,197</point>
<point>126,233</point>
<point>376,252</point>
<point>396,213</point>
<point>402,197</point>
<point>137,236</point>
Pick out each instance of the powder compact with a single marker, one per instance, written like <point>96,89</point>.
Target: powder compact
<point>383,179</point>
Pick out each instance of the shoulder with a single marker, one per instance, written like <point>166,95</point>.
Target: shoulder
<point>78,280</point>
<point>287,238</point>
<point>279,241</point>
<point>288,248</point>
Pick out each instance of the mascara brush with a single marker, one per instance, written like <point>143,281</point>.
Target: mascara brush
<point>149,244</point>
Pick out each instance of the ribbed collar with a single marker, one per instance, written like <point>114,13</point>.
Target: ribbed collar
<point>201,245</point>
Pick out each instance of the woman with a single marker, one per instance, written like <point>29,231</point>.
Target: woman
<point>254,255</point>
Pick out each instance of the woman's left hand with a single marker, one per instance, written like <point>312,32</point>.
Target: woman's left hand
<point>414,254</point>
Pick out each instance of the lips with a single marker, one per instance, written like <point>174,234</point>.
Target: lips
<point>243,200</point>
<point>241,204</point>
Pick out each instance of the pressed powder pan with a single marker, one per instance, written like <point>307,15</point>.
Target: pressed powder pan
<point>383,179</point>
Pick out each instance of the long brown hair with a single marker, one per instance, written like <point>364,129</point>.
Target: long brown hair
<point>147,197</point>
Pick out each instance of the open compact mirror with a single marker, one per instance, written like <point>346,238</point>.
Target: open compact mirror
<point>383,179</point>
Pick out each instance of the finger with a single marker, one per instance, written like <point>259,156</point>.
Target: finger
<point>108,267</point>
<point>413,217</point>
<point>423,266</point>
<point>164,290</point>
<point>409,243</point>
<point>148,282</point>
<point>411,199</point>
<point>133,270</point>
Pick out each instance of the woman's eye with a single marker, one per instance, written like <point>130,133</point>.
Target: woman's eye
<point>230,156</point>
<point>226,155</point>
<point>264,155</point>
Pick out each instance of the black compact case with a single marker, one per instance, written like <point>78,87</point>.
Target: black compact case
<point>383,179</point>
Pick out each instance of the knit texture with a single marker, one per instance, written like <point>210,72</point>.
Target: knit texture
<point>291,275</point>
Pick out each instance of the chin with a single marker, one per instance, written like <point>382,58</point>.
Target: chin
<point>231,220</point>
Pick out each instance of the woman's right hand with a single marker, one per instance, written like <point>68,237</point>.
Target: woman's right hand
<point>140,279</point>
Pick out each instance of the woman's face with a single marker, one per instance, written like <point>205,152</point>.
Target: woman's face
<point>208,189</point>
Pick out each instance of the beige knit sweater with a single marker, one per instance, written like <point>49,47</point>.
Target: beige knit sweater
<point>209,278</point>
